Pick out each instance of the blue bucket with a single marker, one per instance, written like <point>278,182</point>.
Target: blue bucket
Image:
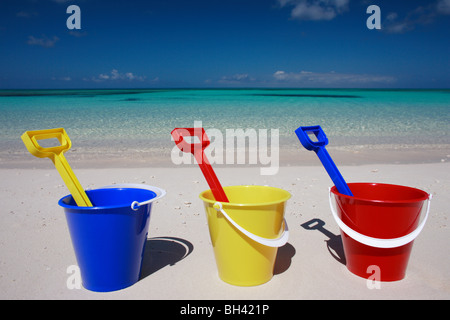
<point>109,238</point>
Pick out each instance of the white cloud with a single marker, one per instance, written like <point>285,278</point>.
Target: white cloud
<point>330,78</point>
<point>443,7</point>
<point>43,42</point>
<point>421,15</point>
<point>115,75</point>
<point>26,14</point>
<point>62,78</point>
<point>236,78</point>
<point>77,34</point>
<point>315,9</point>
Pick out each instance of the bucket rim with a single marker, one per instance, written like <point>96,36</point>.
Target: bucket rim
<point>379,242</point>
<point>257,204</point>
<point>158,192</point>
<point>424,196</point>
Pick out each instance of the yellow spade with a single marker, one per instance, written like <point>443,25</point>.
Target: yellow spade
<point>30,139</point>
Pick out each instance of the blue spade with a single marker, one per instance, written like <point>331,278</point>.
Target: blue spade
<point>319,148</point>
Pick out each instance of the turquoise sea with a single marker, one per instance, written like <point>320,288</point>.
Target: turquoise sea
<point>115,122</point>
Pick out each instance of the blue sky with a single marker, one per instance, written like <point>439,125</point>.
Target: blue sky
<point>224,43</point>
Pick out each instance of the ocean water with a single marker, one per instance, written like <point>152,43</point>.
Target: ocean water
<point>116,122</point>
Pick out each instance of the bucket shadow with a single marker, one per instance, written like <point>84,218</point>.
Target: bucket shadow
<point>163,251</point>
<point>334,242</point>
<point>284,258</point>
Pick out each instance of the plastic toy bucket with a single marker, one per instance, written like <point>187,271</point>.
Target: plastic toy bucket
<point>246,232</point>
<point>109,238</point>
<point>378,226</point>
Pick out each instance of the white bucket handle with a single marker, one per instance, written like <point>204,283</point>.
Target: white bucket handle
<point>376,242</point>
<point>274,243</point>
<point>135,204</point>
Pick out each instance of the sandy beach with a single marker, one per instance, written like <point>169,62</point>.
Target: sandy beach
<point>36,249</point>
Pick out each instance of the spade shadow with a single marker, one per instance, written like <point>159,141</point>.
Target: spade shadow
<point>160,252</point>
<point>334,242</point>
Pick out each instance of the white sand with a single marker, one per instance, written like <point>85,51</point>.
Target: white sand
<point>36,249</point>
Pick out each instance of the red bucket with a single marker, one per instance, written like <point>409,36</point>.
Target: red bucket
<point>378,227</point>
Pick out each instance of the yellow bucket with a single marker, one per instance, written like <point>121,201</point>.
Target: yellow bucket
<point>246,232</point>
